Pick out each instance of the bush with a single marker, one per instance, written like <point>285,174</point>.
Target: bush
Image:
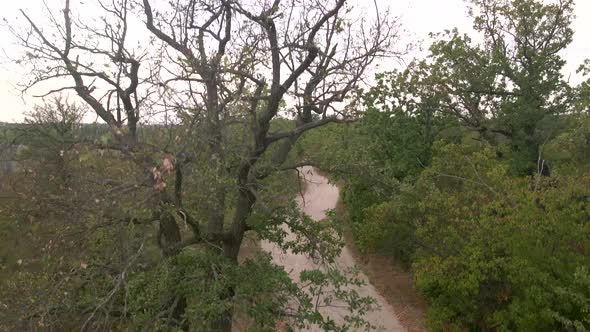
<point>496,252</point>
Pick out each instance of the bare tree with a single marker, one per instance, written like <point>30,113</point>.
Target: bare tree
<point>226,69</point>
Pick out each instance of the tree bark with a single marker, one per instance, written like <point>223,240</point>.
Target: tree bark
<point>169,236</point>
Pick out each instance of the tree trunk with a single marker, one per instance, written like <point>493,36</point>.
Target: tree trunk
<point>169,232</point>
<point>231,247</point>
<point>168,236</point>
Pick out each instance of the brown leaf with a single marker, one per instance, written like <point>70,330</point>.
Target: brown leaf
<point>167,163</point>
<point>160,186</point>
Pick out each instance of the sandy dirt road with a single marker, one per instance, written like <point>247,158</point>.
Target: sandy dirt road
<point>319,196</point>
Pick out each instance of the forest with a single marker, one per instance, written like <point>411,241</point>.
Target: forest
<point>467,170</point>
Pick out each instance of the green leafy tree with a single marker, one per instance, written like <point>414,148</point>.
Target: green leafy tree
<point>51,132</point>
<point>480,259</point>
<point>509,86</point>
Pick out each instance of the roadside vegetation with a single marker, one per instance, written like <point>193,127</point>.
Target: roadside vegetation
<point>471,168</point>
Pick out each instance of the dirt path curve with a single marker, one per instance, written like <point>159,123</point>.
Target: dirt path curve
<point>319,196</point>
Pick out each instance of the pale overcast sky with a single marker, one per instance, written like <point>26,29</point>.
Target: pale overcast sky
<point>419,17</point>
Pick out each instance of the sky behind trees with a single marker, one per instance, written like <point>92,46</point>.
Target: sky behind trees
<point>419,18</point>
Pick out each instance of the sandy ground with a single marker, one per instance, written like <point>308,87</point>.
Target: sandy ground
<point>319,196</point>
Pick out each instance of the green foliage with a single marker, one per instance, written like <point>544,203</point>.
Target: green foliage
<point>332,286</point>
<point>490,250</point>
<point>570,151</point>
<point>402,120</point>
<point>377,232</point>
<point>203,277</point>
<point>260,288</point>
<point>502,250</point>
<point>509,87</point>
<point>317,240</point>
